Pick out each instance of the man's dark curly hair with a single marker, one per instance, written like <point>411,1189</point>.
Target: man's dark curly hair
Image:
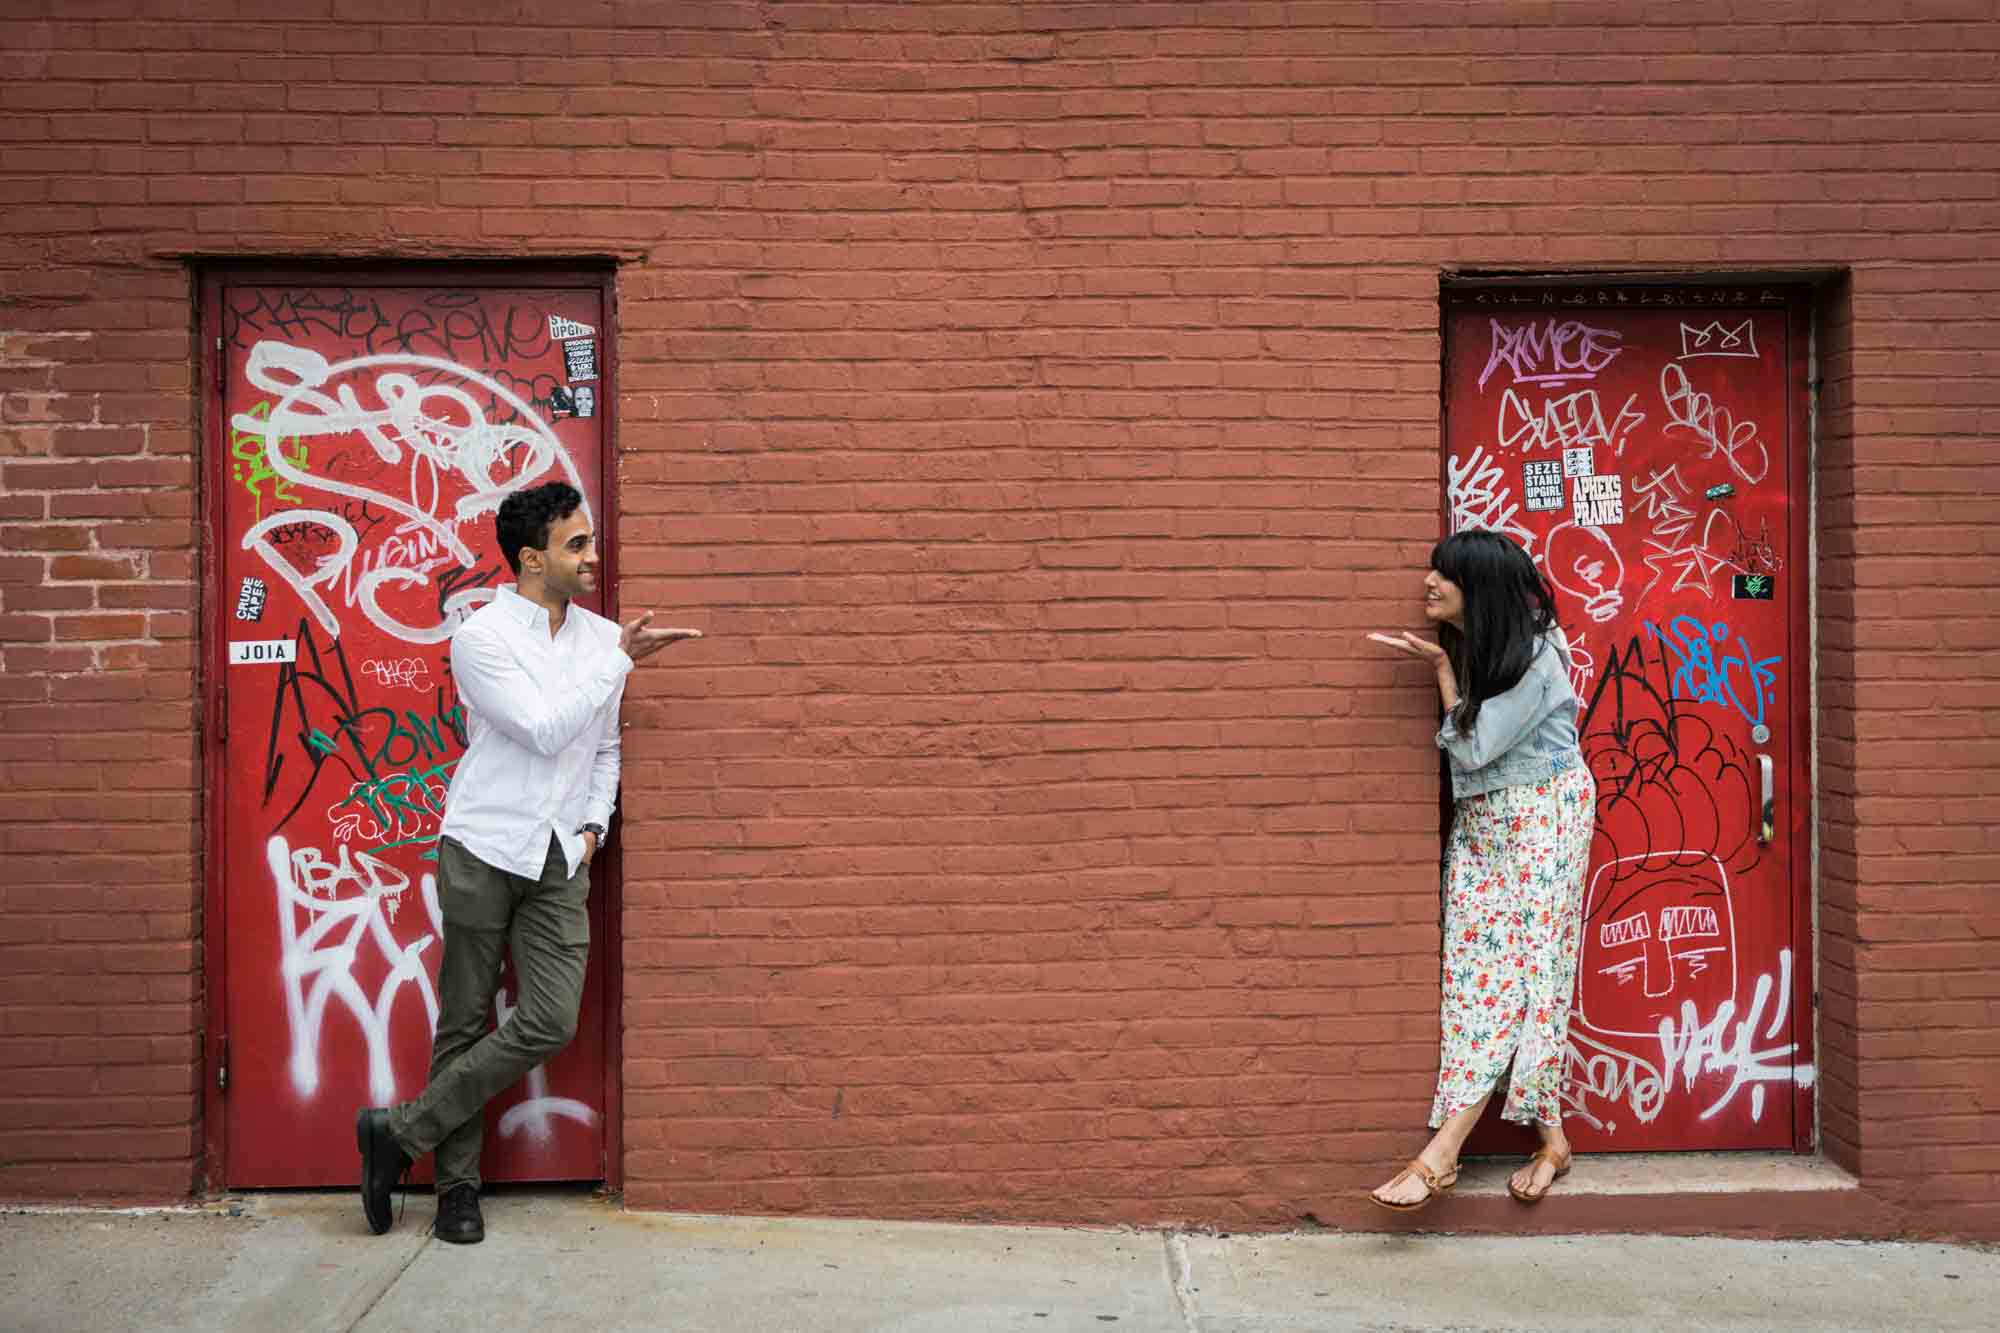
<point>525,517</point>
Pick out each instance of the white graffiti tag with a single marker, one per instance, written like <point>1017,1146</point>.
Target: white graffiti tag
<point>1694,1048</point>
<point>537,1112</point>
<point>1479,498</point>
<point>1595,1069</point>
<point>1582,666</point>
<point>1572,421</point>
<point>435,429</point>
<point>1671,545</point>
<point>1690,410</point>
<point>344,903</point>
<point>1689,1050</point>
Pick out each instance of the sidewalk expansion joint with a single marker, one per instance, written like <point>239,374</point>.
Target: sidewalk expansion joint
<point>389,1285</point>
<point>1180,1275</point>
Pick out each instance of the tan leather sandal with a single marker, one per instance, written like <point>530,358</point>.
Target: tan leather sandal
<point>1543,1154</point>
<point>1435,1183</point>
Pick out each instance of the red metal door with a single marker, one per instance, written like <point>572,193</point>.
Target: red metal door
<point>365,435</point>
<point>1647,445</point>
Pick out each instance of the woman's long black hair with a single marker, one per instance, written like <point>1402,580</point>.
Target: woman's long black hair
<point>1509,606</point>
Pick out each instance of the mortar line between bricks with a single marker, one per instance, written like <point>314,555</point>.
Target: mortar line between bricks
<point>1180,1276</point>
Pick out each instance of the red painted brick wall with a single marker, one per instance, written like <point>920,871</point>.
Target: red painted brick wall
<point>1033,401</point>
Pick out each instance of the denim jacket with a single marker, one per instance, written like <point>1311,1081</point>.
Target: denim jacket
<point>1524,736</point>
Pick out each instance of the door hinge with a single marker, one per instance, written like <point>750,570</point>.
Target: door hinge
<point>221,371</point>
<point>222,716</point>
<point>222,1068</point>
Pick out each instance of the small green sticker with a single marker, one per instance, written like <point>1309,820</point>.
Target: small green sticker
<point>1754,587</point>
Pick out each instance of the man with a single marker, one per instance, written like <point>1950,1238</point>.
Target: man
<point>541,680</point>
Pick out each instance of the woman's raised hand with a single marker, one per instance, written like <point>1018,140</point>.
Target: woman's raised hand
<point>1414,645</point>
<point>1432,654</point>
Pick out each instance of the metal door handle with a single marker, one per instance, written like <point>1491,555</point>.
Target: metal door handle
<point>1767,823</point>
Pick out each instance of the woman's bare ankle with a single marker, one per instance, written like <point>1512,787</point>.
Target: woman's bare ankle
<point>1440,1157</point>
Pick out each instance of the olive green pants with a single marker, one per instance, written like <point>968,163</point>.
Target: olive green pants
<point>545,924</point>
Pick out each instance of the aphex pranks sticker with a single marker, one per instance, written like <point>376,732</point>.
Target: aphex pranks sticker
<point>1600,501</point>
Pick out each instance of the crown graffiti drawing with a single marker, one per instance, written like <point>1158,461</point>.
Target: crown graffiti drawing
<point>1718,339</point>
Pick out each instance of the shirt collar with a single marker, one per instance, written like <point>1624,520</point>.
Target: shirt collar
<point>519,609</point>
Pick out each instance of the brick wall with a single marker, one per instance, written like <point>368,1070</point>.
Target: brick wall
<point>1033,401</point>
<point>99,936</point>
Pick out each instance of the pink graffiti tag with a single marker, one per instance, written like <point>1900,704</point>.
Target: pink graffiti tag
<point>1553,351</point>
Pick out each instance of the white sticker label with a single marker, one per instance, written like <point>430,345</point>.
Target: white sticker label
<point>1600,501</point>
<point>255,652</point>
<point>1542,484</point>
<point>1578,462</point>
<point>580,359</point>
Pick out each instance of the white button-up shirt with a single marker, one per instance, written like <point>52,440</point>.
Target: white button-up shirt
<point>542,721</point>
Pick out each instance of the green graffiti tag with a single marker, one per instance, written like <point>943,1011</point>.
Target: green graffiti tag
<point>253,468</point>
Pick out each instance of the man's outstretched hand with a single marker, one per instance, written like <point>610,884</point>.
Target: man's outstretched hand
<point>639,643</point>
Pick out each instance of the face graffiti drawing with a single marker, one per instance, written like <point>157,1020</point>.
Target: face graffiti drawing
<point>1654,940</point>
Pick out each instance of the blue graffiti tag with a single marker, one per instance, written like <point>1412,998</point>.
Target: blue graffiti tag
<point>1707,679</point>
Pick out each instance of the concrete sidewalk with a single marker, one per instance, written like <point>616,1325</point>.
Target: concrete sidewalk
<point>567,1261</point>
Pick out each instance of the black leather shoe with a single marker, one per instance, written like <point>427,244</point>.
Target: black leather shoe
<point>458,1219</point>
<point>383,1163</point>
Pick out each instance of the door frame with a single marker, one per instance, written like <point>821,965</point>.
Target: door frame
<point>1799,293</point>
<point>212,477</point>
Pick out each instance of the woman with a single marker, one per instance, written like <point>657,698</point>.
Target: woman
<point>1515,863</point>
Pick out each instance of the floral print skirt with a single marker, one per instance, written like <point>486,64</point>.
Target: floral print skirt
<point>1514,872</point>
